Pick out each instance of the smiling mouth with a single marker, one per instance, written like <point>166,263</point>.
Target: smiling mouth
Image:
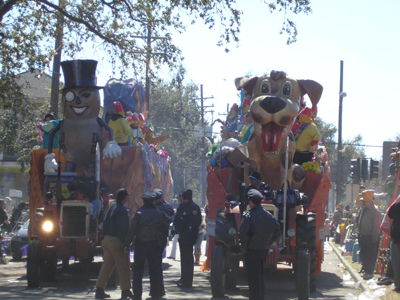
<point>79,110</point>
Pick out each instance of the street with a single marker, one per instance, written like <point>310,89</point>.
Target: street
<point>79,282</point>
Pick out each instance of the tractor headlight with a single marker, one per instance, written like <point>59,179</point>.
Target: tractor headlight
<point>47,226</point>
<point>291,232</point>
<point>232,231</point>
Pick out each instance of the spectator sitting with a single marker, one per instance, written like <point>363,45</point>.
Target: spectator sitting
<point>45,128</point>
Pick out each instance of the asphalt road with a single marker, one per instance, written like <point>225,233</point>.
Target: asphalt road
<point>79,283</point>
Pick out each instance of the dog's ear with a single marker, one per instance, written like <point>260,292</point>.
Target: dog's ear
<point>247,83</point>
<point>312,88</point>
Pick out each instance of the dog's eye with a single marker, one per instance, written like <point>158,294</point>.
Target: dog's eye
<point>286,89</point>
<point>265,88</point>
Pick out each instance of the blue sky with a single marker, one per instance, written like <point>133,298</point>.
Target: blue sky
<point>364,34</point>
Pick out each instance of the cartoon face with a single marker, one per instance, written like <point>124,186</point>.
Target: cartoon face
<point>81,103</point>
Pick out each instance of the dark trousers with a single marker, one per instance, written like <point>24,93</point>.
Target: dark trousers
<point>368,253</point>
<point>152,251</point>
<point>302,157</point>
<point>255,263</point>
<point>187,262</point>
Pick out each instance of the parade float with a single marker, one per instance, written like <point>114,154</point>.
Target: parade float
<point>65,223</point>
<point>300,192</point>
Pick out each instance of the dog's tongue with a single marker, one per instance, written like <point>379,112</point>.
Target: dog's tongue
<point>271,135</point>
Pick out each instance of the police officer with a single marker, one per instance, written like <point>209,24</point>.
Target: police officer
<point>162,205</point>
<point>147,225</point>
<point>257,232</point>
<point>115,229</point>
<point>187,221</point>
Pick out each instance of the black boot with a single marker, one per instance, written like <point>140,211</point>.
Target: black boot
<point>100,294</point>
<point>126,294</point>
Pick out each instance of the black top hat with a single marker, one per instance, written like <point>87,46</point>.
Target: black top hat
<point>79,73</point>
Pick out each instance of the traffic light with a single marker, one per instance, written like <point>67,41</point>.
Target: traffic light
<point>355,170</point>
<point>364,169</point>
<point>374,169</point>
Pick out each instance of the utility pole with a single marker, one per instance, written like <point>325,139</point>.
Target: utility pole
<point>203,158</point>
<point>148,57</point>
<point>339,161</point>
<point>55,77</point>
<point>149,53</point>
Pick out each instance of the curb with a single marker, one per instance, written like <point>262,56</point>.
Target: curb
<point>350,269</point>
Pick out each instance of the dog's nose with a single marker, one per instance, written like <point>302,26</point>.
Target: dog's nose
<point>272,104</point>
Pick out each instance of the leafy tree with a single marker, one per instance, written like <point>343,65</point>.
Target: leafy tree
<point>175,111</point>
<point>19,125</point>
<point>117,27</point>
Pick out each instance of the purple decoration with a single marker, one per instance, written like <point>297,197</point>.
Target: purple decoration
<point>24,249</point>
<point>146,169</point>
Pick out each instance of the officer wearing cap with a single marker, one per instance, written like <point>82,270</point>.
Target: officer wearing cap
<point>256,183</point>
<point>257,232</point>
<point>186,222</point>
<point>162,205</point>
<point>115,229</point>
<point>147,226</point>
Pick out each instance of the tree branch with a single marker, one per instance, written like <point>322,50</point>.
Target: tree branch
<point>6,7</point>
<point>79,21</point>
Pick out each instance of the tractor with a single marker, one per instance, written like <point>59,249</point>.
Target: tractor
<point>301,215</point>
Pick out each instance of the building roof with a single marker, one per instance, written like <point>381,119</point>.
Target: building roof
<point>36,85</point>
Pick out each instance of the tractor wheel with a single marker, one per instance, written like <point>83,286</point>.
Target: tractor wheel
<point>303,273</point>
<point>113,281</point>
<point>218,271</point>
<point>306,233</point>
<point>231,274</point>
<point>33,263</point>
<point>49,266</point>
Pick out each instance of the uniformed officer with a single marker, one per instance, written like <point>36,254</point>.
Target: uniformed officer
<point>147,226</point>
<point>162,205</point>
<point>257,232</point>
<point>187,221</point>
<point>115,229</point>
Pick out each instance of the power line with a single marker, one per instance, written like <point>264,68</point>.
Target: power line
<point>355,145</point>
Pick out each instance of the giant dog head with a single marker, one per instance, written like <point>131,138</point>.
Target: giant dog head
<point>275,104</point>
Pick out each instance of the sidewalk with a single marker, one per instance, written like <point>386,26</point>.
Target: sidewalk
<point>353,272</point>
<point>365,285</point>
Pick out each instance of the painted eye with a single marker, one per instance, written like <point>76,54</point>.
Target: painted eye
<point>69,96</point>
<point>86,95</point>
<point>265,88</point>
<point>286,89</point>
